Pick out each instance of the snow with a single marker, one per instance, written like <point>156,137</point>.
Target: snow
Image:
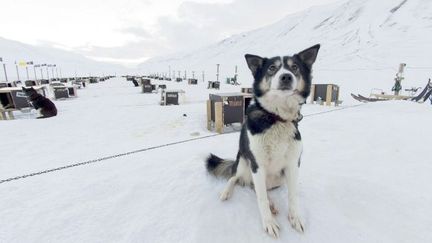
<point>364,177</point>
<point>365,174</point>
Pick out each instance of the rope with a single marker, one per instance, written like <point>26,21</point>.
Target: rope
<point>142,150</point>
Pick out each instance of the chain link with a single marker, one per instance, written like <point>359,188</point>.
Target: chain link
<point>139,151</point>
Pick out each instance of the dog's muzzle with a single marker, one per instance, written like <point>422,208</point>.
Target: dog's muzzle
<point>286,81</point>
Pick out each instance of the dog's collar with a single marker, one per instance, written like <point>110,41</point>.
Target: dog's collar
<point>276,117</point>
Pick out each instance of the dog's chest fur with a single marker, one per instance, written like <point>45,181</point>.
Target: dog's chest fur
<point>275,149</point>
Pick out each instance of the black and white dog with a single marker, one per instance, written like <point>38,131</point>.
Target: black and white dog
<point>270,142</point>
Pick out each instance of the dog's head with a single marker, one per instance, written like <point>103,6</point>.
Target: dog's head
<point>282,84</point>
<point>29,92</point>
<point>282,75</point>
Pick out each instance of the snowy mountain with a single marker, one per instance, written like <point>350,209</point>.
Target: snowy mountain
<point>369,38</point>
<point>69,62</point>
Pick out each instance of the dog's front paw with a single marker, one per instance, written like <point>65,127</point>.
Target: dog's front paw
<point>295,221</point>
<point>271,227</point>
<point>225,195</point>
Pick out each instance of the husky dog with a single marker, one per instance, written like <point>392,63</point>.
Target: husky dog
<point>45,106</point>
<point>270,142</point>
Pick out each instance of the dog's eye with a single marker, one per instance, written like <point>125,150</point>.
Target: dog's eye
<point>272,68</point>
<point>294,67</point>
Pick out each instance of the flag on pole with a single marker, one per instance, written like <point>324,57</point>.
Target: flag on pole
<point>22,63</point>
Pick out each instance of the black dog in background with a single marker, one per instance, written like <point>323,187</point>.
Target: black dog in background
<point>45,106</point>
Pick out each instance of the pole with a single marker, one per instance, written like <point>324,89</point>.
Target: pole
<point>169,71</point>
<point>185,76</point>
<point>41,72</point>
<point>217,72</point>
<point>47,73</point>
<point>203,76</point>
<point>16,66</point>
<point>34,69</point>
<point>28,78</point>
<point>193,74</point>
<point>52,71</point>
<point>4,69</point>
<point>57,72</point>
<point>179,74</point>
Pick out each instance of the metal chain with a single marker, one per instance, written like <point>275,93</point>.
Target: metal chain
<point>140,151</point>
<point>103,158</point>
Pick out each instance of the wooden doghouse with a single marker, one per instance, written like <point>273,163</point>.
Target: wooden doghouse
<point>172,97</point>
<point>227,108</point>
<point>61,93</point>
<point>179,79</point>
<point>213,85</point>
<point>15,99</point>
<point>192,81</point>
<point>247,90</point>
<point>30,83</point>
<point>162,86</point>
<point>325,93</point>
<point>145,81</point>
<point>147,88</point>
<point>94,80</point>
<point>44,81</point>
<point>72,90</point>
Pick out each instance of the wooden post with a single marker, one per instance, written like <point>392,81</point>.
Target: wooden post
<point>337,97</point>
<point>312,93</point>
<point>209,121</point>
<point>2,115</point>
<point>329,94</point>
<point>11,115</point>
<point>219,117</point>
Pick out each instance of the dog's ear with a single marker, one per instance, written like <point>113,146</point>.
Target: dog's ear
<point>309,55</point>
<point>254,62</point>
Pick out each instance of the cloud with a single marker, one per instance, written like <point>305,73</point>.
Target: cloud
<point>194,25</point>
<point>199,24</point>
<point>137,32</point>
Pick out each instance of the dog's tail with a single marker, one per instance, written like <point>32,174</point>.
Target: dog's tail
<point>220,167</point>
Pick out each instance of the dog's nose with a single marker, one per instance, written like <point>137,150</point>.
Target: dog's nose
<point>286,78</point>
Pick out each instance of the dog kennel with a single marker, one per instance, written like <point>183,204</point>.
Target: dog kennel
<point>147,88</point>
<point>172,97</point>
<point>15,98</point>
<point>227,108</point>
<point>328,93</point>
<point>213,85</point>
<point>247,90</point>
<point>192,81</point>
<point>30,83</point>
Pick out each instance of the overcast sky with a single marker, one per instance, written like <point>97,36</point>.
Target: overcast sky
<point>130,31</point>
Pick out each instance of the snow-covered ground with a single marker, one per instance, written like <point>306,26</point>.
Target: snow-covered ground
<point>365,174</point>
